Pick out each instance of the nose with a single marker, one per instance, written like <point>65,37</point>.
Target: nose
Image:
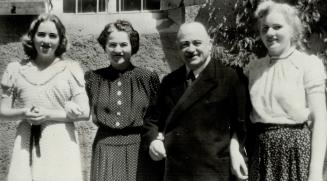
<point>118,49</point>
<point>46,39</point>
<point>270,32</point>
<point>191,48</point>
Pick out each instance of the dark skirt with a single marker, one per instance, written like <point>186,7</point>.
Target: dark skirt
<point>281,153</point>
<point>122,157</point>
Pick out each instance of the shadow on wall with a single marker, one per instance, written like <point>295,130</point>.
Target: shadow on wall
<point>14,27</point>
<point>167,28</point>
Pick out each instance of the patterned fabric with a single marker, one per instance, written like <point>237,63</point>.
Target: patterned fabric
<point>283,153</point>
<point>58,145</point>
<point>290,80</point>
<point>119,101</point>
<point>113,159</point>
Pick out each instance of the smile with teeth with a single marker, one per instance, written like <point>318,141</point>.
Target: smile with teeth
<point>45,46</point>
<point>271,40</point>
<point>190,56</point>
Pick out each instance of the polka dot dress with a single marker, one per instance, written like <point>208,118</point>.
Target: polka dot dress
<point>281,154</point>
<point>119,101</point>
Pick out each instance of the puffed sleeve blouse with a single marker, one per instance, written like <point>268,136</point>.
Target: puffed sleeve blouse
<point>120,99</point>
<point>49,88</point>
<point>291,78</point>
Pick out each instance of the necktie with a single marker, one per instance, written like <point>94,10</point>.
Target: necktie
<point>191,76</point>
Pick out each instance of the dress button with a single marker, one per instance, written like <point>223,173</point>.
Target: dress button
<point>107,110</point>
<point>119,102</point>
<point>118,113</point>
<point>119,83</point>
<point>118,93</point>
<point>117,124</point>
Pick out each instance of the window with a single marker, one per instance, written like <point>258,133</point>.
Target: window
<point>110,6</point>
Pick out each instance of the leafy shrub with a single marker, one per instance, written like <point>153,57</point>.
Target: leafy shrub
<point>236,37</point>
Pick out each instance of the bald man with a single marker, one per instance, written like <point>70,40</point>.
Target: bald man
<point>201,108</point>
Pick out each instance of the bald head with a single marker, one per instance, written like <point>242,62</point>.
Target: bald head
<point>194,44</point>
<point>194,28</point>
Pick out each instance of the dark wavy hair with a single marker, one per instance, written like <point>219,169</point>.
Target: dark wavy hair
<point>120,25</point>
<point>28,38</point>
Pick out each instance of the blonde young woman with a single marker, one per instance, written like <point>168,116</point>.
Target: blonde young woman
<point>284,87</point>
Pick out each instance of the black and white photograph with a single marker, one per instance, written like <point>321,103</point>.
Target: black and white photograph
<point>163,90</point>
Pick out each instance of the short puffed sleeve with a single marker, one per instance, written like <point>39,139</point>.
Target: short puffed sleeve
<point>9,78</point>
<point>314,75</point>
<point>76,81</point>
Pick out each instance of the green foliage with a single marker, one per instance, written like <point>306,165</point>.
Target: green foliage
<point>236,37</point>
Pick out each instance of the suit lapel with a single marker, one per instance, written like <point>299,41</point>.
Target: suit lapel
<point>199,88</point>
<point>179,85</point>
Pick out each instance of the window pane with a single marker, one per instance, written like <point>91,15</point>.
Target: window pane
<point>102,5</point>
<point>151,4</point>
<point>113,6</point>
<point>131,5</point>
<point>87,6</point>
<point>69,6</point>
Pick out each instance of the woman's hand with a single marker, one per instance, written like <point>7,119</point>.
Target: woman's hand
<point>239,168</point>
<point>36,115</point>
<point>238,164</point>
<point>157,150</point>
<point>73,111</point>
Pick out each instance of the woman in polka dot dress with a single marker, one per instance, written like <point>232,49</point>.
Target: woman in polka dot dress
<point>120,96</point>
<point>284,87</point>
<point>47,94</point>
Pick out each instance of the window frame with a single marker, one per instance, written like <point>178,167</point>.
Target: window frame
<point>118,11</point>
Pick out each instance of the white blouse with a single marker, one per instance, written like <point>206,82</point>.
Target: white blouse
<point>289,79</point>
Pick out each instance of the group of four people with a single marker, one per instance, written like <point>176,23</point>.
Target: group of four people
<point>191,126</point>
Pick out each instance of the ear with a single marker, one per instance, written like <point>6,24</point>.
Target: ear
<point>210,43</point>
<point>177,43</point>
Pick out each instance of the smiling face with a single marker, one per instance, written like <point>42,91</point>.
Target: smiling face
<point>276,33</point>
<point>119,49</point>
<point>194,44</point>
<point>46,40</point>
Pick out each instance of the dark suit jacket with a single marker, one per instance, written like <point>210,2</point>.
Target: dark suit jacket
<point>198,122</point>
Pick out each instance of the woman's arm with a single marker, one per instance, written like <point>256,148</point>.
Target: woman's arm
<point>317,106</point>
<point>9,113</point>
<point>17,114</point>
<point>82,101</point>
<point>76,110</point>
<point>238,165</point>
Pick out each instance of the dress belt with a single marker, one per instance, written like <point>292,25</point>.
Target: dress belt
<point>124,131</point>
<point>35,141</point>
<point>262,127</point>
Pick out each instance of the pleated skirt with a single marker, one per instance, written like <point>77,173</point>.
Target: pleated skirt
<point>281,153</point>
